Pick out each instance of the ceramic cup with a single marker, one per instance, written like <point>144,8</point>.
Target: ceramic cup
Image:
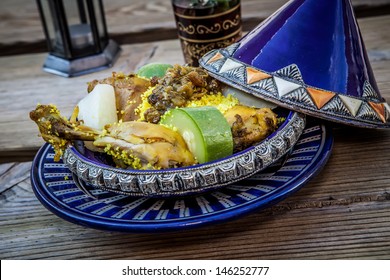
<point>204,25</point>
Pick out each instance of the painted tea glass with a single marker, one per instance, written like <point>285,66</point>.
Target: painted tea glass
<point>204,25</point>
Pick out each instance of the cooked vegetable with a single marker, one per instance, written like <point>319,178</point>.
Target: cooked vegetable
<point>128,90</point>
<point>98,108</point>
<point>204,129</point>
<point>153,70</point>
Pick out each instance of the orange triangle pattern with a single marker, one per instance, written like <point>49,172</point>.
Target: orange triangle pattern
<point>379,109</point>
<point>320,97</point>
<point>282,85</point>
<point>254,75</point>
<point>216,57</point>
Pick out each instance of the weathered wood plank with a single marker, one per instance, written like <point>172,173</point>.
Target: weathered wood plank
<point>12,174</point>
<point>133,21</point>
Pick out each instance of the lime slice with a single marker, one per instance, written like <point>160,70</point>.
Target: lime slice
<point>153,70</point>
<point>205,131</point>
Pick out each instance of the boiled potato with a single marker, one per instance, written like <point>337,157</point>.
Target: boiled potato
<point>98,108</point>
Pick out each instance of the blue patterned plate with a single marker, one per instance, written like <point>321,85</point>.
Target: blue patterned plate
<point>53,185</point>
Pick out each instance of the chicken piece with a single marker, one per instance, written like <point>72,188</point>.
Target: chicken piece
<point>144,145</point>
<point>57,130</point>
<point>250,125</point>
<point>136,144</point>
<point>128,91</point>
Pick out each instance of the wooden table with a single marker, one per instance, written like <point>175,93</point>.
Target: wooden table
<point>344,213</point>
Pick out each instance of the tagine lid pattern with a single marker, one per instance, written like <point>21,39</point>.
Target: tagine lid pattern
<point>308,56</point>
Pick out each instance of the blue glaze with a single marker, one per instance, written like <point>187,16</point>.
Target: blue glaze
<point>321,37</point>
<point>53,185</point>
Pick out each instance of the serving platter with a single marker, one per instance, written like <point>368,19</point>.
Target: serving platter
<point>53,185</point>
<point>95,168</point>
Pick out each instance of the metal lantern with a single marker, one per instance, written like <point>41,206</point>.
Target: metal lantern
<point>76,36</point>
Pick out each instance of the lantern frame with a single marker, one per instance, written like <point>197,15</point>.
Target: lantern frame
<point>76,49</point>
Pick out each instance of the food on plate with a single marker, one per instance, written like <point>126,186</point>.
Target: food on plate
<point>98,108</point>
<point>179,86</point>
<point>152,70</point>
<point>143,145</point>
<point>58,131</point>
<point>128,91</point>
<point>250,125</point>
<point>177,120</point>
<point>134,144</point>
<point>204,129</point>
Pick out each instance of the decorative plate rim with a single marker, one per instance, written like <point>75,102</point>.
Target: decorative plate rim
<point>71,214</point>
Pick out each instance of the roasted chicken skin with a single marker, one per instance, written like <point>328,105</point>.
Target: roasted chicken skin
<point>250,125</point>
<point>145,146</point>
<point>57,130</point>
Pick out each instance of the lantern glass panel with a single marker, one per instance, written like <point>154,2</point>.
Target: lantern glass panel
<point>52,29</point>
<point>76,36</point>
<point>100,23</point>
<point>82,41</point>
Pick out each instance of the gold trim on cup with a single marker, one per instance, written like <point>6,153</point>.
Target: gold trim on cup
<point>211,40</point>
<point>209,16</point>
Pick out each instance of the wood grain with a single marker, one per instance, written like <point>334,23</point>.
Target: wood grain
<point>134,21</point>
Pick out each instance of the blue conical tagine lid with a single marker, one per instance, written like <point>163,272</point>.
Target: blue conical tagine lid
<point>308,56</point>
